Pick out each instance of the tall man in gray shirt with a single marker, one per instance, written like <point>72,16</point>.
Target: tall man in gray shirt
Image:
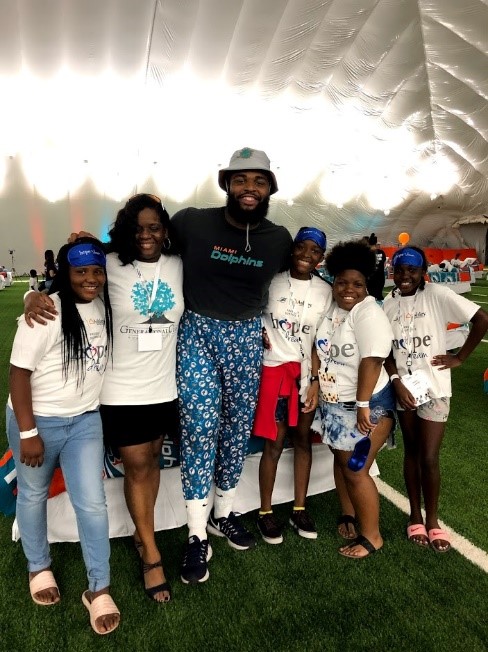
<point>230,255</point>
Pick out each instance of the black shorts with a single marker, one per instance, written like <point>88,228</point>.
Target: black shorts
<point>128,425</point>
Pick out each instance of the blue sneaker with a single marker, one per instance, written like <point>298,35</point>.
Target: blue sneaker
<point>237,535</point>
<point>194,569</point>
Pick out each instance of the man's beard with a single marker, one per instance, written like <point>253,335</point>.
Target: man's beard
<point>252,217</point>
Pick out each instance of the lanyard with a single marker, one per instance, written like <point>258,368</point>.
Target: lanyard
<point>152,296</point>
<point>336,322</point>
<point>300,316</point>
<point>407,330</point>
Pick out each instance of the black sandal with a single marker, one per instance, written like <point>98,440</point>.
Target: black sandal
<point>360,541</point>
<point>347,520</point>
<point>152,590</point>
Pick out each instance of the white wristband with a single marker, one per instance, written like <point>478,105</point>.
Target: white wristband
<point>28,292</point>
<point>362,404</point>
<point>394,377</point>
<point>27,434</point>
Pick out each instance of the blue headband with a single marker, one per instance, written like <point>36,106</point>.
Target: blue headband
<point>86,254</point>
<point>407,256</point>
<point>311,233</point>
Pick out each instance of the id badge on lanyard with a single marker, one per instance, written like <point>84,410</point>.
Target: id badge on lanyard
<point>328,386</point>
<point>150,341</point>
<point>417,383</point>
<point>327,379</point>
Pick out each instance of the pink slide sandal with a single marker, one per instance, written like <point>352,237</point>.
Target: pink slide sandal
<point>436,534</point>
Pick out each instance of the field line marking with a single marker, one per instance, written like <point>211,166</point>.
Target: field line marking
<point>463,546</point>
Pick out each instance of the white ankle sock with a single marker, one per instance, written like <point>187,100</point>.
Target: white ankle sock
<point>223,502</point>
<point>196,515</point>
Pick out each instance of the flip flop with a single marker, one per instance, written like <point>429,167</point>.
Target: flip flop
<point>418,530</point>
<point>40,582</point>
<point>103,605</point>
<point>436,534</point>
<point>360,541</point>
<point>347,520</point>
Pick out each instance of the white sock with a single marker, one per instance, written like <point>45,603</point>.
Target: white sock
<point>223,502</point>
<point>196,515</point>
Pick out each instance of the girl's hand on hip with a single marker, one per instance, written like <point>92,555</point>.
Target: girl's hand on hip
<point>446,361</point>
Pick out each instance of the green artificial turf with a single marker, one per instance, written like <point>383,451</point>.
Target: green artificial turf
<point>300,595</point>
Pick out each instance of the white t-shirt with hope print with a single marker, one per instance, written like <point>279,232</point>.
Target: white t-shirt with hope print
<point>294,310</point>
<point>40,351</point>
<point>346,337</point>
<point>419,324</point>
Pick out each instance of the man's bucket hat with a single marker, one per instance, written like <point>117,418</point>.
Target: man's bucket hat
<point>249,159</point>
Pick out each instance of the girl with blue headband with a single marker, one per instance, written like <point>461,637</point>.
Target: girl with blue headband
<point>419,368</point>
<point>56,377</point>
<point>288,393</point>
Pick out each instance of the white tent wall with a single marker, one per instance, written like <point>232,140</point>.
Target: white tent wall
<point>373,112</point>
<point>476,235</point>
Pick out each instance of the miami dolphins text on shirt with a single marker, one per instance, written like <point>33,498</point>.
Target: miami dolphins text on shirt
<point>230,259</point>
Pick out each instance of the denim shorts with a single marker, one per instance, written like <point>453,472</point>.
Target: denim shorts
<point>339,419</point>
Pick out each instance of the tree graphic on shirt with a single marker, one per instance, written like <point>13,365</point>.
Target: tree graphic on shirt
<point>164,300</point>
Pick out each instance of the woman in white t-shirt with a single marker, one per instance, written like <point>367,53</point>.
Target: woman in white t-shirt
<point>139,398</point>
<point>52,417</point>
<point>288,393</point>
<point>419,368</point>
<point>352,343</point>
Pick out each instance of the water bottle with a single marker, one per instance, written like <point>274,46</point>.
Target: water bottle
<point>377,413</point>
<point>391,441</point>
<point>361,450</point>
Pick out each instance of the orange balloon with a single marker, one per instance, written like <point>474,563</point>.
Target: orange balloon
<point>403,238</point>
